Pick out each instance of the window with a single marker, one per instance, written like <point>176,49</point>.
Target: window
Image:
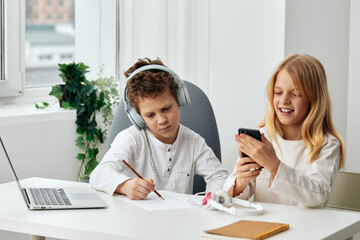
<point>48,38</point>
<point>52,32</point>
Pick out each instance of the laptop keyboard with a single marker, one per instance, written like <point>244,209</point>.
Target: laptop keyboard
<point>49,196</point>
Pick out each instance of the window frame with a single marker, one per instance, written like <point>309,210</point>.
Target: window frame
<point>12,86</point>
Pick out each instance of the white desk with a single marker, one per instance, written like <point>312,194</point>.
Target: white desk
<point>124,221</point>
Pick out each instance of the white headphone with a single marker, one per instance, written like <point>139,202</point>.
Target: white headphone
<point>181,92</point>
<point>222,201</point>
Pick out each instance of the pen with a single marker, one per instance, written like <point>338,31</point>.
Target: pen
<point>139,176</point>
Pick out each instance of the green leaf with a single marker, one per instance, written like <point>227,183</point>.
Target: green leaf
<point>46,104</point>
<point>82,67</point>
<point>100,136</point>
<point>43,106</point>
<point>80,109</point>
<point>82,119</point>
<point>80,156</point>
<point>56,91</point>
<point>90,137</point>
<point>80,141</point>
<point>92,153</point>
<point>80,130</point>
<point>87,89</point>
<point>63,77</point>
<point>101,101</point>
<point>67,106</point>
<point>90,166</point>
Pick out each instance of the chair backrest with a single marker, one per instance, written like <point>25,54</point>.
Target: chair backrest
<point>199,116</point>
<point>345,193</point>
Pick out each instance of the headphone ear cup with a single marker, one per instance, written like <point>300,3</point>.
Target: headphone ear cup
<point>136,119</point>
<point>223,198</point>
<point>182,93</point>
<point>219,200</point>
<point>206,201</point>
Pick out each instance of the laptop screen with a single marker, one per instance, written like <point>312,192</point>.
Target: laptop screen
<point>12,167</point>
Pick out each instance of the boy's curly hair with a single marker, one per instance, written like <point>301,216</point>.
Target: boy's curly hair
<point>149,83</point>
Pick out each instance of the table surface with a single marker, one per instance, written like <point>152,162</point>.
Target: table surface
<point>122,220</point>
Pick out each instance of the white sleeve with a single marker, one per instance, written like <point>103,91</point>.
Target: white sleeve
<point>209,166</point>
<point>312,186</point>
<point>230,183</point>
<point>110,171</point>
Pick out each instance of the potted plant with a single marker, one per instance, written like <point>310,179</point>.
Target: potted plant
<point>88,98</point>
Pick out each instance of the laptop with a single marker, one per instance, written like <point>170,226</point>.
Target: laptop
<point>39,198</point>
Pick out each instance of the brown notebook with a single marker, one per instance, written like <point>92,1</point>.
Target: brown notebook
<point>247,229</point>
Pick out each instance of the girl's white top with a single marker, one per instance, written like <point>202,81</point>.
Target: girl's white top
<point>297,182</point>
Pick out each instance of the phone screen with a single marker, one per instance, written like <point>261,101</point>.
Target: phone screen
<point>251,132</point>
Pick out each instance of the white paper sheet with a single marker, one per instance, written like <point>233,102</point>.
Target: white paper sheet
<point>152,202</point>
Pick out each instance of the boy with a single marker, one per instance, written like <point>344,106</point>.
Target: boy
<point>158,147</point>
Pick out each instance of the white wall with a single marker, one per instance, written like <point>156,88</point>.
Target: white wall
<point>321,28</point>
<point>246,41</point>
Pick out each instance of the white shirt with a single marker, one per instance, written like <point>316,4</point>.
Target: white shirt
<point>174,164</point>
<point>297,182</point>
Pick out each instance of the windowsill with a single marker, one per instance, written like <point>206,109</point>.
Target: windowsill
<point>25,113</point>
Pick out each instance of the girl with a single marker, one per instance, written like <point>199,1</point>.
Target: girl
<point>299,162</point>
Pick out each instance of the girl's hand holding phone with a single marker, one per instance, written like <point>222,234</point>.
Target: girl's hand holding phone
<point>262,151</point>
<point>246,170</point>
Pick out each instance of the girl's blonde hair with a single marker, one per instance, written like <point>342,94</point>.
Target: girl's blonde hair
<point>310,75</point>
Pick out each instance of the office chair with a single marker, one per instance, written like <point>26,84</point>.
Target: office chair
<point>199,117</point>
<point>345,193</point>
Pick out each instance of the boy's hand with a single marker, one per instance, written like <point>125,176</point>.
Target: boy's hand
<point>136,189</point>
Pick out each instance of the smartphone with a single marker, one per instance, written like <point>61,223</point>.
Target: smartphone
<point>251,132</point>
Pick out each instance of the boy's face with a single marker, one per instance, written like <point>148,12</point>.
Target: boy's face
<point>162,116</point>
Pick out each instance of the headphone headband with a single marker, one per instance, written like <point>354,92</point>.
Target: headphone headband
<point>181,92</point>
<point>223,202</point>
<point>153,67</point>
